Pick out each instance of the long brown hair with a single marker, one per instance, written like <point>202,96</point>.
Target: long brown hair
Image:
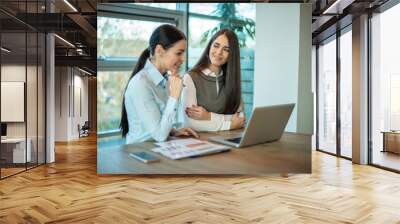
<point>165,35</point>
<point>231,70</point>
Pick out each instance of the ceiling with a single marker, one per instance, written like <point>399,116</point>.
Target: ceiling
<point>328,16</point>
<point>72,20</point>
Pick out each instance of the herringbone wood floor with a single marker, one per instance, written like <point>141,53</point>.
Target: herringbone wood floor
<point>69,191</point>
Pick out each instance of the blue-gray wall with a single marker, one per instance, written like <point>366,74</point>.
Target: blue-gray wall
<point>282,70</point>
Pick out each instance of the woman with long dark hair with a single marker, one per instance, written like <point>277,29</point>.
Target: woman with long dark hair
<point>151,96</point>
<point>213,88</point>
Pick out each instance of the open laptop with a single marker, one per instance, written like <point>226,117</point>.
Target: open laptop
<point>266,124</point>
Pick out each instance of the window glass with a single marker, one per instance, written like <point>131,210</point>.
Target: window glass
<point>123,37</point>
<point>118,40</point>
<point>346,94</point>
<point>110,90</point>
<point>327,97</point>
<point>246,10</point>
<point>385,88</point>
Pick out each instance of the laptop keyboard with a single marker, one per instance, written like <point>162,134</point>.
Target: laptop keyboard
<point>235,140</point>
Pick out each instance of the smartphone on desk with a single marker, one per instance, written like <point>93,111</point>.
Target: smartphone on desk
<point>144,157</point>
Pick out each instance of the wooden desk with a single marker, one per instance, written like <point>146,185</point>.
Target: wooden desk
<point>13,152</point>
<point>291,154</point>
<point>391,141</point>
<point>16,148</point>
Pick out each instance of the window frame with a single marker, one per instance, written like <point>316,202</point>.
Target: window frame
<point>387,5</point>
<point>334,37</point>
<point>379,10</point>
<point>342,32</point>
<point>135,12</point>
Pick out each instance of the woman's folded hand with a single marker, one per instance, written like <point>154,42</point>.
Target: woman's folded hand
<point>237,121</point>
<point>198,113</point>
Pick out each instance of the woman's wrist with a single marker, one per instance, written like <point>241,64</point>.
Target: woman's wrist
<point>208,116</point>
<point>175,96</point>
<point>172,132</point>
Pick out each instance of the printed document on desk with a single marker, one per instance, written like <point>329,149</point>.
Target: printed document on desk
<point>189,147</point>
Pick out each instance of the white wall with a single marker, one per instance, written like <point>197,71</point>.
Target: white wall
<point>69,85</point>
<point>283,61</point>
<point>62,81</point>
<point>12,100</point>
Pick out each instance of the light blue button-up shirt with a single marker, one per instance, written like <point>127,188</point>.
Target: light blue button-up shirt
<point>151,111</point>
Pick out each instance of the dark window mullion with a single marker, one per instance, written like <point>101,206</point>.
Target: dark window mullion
<point>44,72</point>
<point>26,87</point>
<point>369,89</point>
<point>338,73</point>
<point>317,97</point>
<point>37,90</point>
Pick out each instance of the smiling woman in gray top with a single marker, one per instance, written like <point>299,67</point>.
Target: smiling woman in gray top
<point>212,96</point>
